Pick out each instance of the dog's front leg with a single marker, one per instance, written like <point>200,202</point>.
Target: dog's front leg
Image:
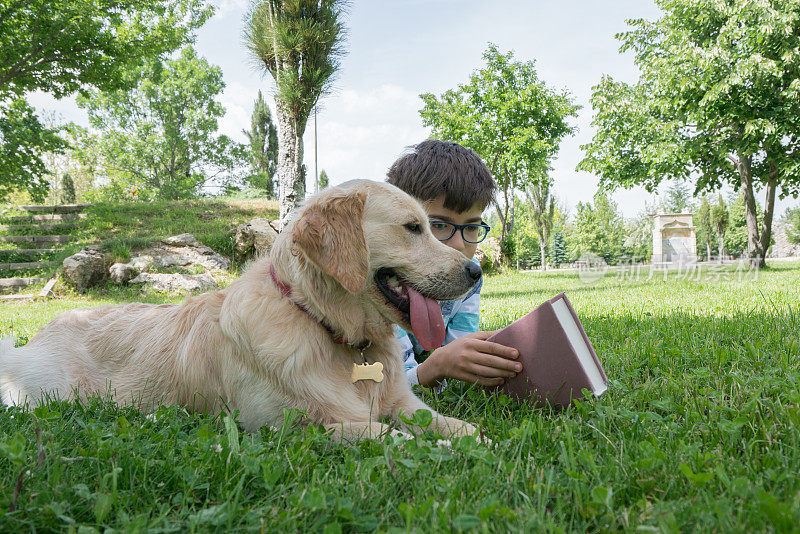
<point>447,426</point>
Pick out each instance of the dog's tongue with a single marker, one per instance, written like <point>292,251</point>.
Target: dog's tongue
<point>426,320</point>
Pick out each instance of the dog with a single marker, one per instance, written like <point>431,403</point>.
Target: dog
<point>296,330</point>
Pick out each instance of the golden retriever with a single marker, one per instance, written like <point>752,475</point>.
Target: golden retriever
<point>287,334</point>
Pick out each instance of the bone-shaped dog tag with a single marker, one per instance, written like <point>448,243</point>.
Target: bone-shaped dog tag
<point>367,371</point>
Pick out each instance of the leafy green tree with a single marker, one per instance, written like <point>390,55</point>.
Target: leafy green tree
<point>263,138</point>
<point>60,47</point>
<point>299,43</point>
<point>509,117</point>
<point>599,229</point>
<point>638,244</point>
<point>718,97</point>
<point>323,180</point>
<point>558,248</point>
<point>678,199</point>
<point>793,225</point>
<point>23,142</point>
<point>67,190</point>
<point>162,134</point>
<point>720,220</point>
<point>542,213</point>
<point>705,229</point>
<point>63,46</point>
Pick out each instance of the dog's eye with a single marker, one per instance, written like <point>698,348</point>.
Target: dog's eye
<point>414,228</point>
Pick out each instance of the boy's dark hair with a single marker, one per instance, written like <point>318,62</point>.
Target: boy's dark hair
<point>434,168</point>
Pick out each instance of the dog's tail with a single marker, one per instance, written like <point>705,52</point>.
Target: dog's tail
<point>6,346</point>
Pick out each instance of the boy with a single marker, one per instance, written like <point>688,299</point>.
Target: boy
<point>455,187</point>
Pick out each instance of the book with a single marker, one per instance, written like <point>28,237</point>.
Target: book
<point>558,360</point>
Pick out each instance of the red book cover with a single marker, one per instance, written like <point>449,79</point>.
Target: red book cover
<point>558,360</point>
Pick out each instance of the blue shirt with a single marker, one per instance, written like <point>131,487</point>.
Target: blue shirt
<point>460,317</point>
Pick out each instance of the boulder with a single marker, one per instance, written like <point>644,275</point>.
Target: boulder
<point>255,237</point>
<point>85,269</point>
<point>182,250</point>
<point>177,282</point>
<point>122,272</point>
<point>182,240</point>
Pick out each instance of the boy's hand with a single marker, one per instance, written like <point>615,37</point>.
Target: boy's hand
<point>470,358</point>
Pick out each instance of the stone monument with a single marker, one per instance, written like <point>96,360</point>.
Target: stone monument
<point>674,239</point>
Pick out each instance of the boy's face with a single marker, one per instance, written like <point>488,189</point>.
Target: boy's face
<point>436,211</point>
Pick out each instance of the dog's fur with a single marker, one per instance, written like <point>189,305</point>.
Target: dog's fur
<point>249,347</point>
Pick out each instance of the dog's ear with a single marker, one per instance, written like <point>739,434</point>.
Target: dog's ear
<point>330,234</point>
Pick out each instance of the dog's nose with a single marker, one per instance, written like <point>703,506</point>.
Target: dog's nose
<point>473,270</point>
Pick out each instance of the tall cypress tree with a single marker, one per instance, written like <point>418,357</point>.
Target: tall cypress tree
<point>67,190</point>
<point>263,137</point>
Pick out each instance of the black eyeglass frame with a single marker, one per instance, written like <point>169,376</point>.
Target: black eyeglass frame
<point>460,227</point>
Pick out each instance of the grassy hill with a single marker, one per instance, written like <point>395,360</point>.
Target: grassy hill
<point>122,228</point>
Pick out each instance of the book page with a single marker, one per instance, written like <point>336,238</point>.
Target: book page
<point>579,345</point>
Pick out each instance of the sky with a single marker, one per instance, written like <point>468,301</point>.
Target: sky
<point>397,50</point>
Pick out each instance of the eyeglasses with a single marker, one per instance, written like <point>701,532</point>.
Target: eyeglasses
<point>470,233</point>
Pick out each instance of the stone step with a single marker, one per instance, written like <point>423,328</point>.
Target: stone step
<point>20,283</point>
<point>63,208</point>
<point>27,251</point>
<point>17,296</point>
<point>43,227</point>
<point>29,265</point>
<point>37,238</point>
<point>47,217</point>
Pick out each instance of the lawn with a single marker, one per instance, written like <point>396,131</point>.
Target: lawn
<point>699,431</point>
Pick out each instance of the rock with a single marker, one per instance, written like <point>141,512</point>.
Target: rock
<point>256,236</point>
<point>85,269</point>
<point>177,282</point>
<point>122,272</point>
<point>482,257</point>
<point>142,263</point>
<point>182,240</point>
<point>181,250</point>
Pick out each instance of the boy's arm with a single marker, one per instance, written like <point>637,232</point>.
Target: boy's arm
<point>409,358</point>
<point>466,355</point>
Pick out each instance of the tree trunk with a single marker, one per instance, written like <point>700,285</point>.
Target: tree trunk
<point>292,187</point>
<point>757,241</point>
<point>708,250</point>
<point>721,248</point>
<point>544,260</point>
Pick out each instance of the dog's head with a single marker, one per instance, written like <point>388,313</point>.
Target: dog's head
<point>374,241</point>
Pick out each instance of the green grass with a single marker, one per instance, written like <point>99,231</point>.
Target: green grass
<point>698,432</point>
<point>124,228</point>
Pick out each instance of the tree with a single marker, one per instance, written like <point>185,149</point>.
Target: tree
<point>542,210</point>
<point>23,142</point>
<point>67,190</point>
<point>599,229</point>
<point>323,180</point>
<point>60,47</point>
<point>509,117</point>
<point>678,199</point>
<point>718,97</point>
<point>558,248</point>
<point>793,225</point>
<point>705,228</point>
<point>263,138</point>
<point>638,244</point>
<point>299,43</point>
<point>720,220</point>
<point>161,134</point>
